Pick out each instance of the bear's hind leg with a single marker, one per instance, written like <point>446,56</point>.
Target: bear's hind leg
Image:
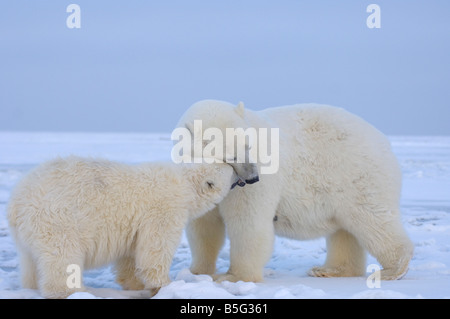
<point>345,257</point>
<point>384,237</point>
<point>56,279</point>
<point>60,268</point>
<point>28,270</point>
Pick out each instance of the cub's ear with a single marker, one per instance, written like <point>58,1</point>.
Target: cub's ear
<point>210,184</point>
<point>240,109</point>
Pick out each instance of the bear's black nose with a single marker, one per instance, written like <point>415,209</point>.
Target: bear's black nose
<point>253,180</point>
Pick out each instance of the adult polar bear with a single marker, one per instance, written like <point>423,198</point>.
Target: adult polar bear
<point>337,178</point>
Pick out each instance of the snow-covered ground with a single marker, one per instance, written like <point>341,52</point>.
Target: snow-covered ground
<point>425,207</point>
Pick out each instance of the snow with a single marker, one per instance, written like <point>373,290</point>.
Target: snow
<point>425,207</point>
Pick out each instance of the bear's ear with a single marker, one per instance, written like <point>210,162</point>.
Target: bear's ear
<point>240,109</point>
<point>190,127</point>
<point>195,129</point>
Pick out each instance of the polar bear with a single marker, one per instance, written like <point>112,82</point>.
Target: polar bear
<point>337,178</point>
<point>90,212</point>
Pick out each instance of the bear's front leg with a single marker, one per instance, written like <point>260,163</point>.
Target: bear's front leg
<point>153,270</point>
<point>251,232</point>
<point>155,248</point>
<point>250,250</point>
<point>126,274</point>
<point>206,236</point>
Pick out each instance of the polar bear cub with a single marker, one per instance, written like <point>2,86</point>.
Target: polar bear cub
<point>89,212</point>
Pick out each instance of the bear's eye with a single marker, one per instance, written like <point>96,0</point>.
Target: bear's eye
<point>210,184</point>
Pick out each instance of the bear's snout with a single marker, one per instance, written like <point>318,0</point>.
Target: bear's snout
<point>252,180</point>
<point>239,182</point>
<point>247,172</point>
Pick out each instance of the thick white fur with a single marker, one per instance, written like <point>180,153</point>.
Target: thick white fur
<point>338,178</point>
<point>92,212</point>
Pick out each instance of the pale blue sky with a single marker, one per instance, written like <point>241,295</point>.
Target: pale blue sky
<point>137,65</point>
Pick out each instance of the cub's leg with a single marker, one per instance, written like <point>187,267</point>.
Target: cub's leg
<point>155,248</point>
<point>126,274</point>
<point>27,269</point>
<point>56,278</point>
